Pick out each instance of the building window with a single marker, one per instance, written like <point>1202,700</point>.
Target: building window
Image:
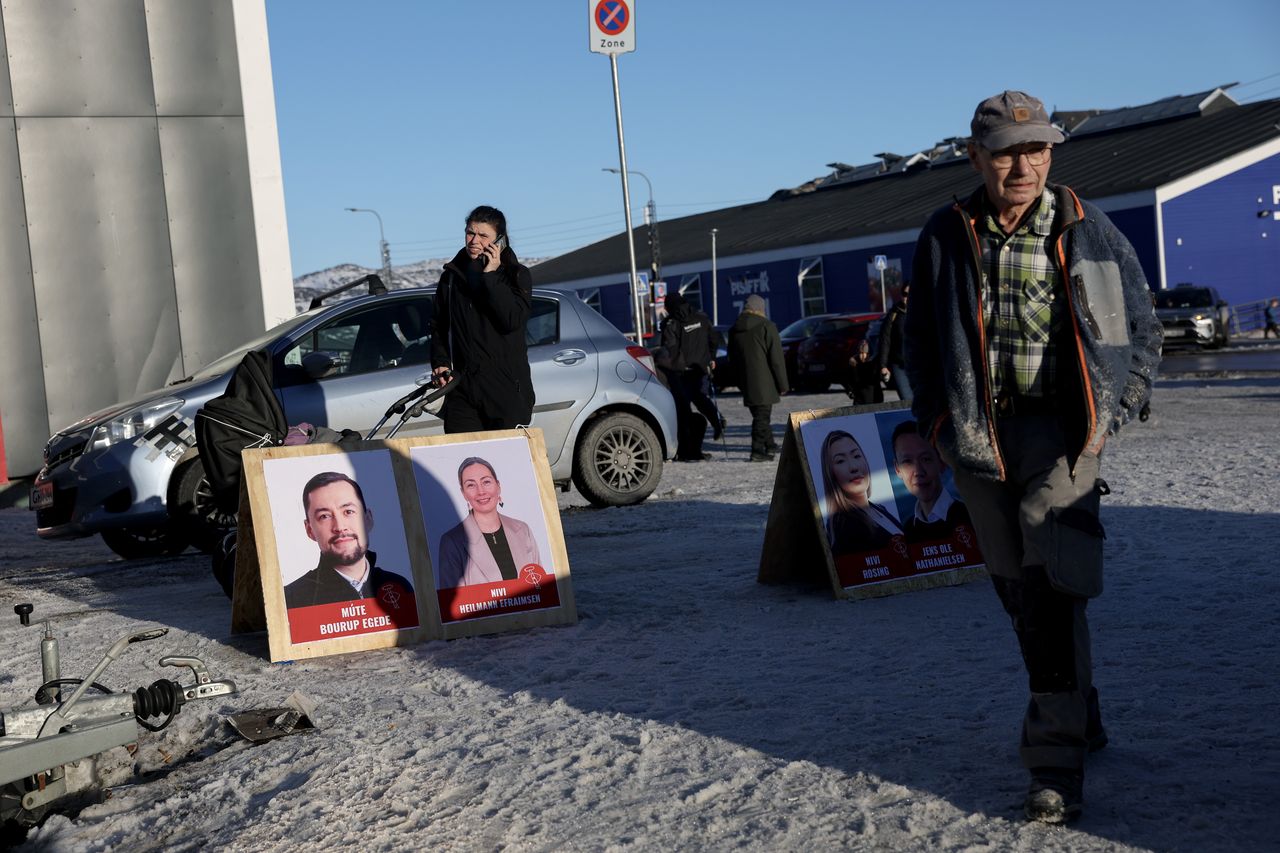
<point>813,296</point>
<point>691,290</point>
<point>592,298</point>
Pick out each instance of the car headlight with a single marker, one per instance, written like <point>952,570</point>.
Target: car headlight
<point>133,423</point>
<point>1200,318</point>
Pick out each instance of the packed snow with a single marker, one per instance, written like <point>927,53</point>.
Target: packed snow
<point>693,708</point>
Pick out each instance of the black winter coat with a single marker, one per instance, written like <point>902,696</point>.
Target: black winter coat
<point>478,329</point>
<point>890,352</point>
<point>688,338</point>
<point>755,352</point>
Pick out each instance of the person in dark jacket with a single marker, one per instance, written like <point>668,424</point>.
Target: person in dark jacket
<point>893,364</point>
<point>339,522</point>
<point>1031,337</point>
<point>689,343</point>
<point>862,379</point>
<point>478,330</point>
<point>755,352</point>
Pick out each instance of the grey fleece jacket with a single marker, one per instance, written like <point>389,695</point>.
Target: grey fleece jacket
<point>1110,349</point>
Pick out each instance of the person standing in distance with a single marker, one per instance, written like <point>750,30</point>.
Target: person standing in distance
<point>478,330</point>
<point>1030,339</point>
<point>689,344</point>
<point>893,365</point>
<point>755,353</point>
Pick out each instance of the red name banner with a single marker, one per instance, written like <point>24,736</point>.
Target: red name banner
<point>907,560</point>
<point>534,589</point>
<point>393,609</point>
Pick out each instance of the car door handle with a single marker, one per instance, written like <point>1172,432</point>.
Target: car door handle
<point>569,356</point>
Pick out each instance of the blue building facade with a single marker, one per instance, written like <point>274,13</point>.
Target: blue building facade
<point>1226,233</point>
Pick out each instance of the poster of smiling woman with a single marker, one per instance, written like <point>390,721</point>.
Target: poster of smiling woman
<point>493,531</point>
<point>886,515</point>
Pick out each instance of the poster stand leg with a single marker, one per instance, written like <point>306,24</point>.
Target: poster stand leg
<point>791,552</point>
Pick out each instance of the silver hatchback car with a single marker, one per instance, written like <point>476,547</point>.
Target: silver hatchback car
<point>132,472</point>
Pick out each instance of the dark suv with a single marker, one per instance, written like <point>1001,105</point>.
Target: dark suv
<point>1193,315</point>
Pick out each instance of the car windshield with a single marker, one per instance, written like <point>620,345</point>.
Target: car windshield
<point>1184,298</point>
<point>828,327</point>
<point>231,359</point>
<point>801,328</point>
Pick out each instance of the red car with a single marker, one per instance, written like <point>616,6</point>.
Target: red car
<point>823,357</point>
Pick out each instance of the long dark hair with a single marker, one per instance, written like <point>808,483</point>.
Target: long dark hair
<point>837,500</point>
<point>487,215</point>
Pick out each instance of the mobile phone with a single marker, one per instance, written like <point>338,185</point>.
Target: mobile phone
<point>501,242</point>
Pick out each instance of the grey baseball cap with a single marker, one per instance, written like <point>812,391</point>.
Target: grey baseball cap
<point>1011,118</point>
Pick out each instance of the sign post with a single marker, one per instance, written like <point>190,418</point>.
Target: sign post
<point>612,30</point>
<point>882,263</point>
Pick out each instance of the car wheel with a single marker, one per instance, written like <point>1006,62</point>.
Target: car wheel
<point>618,461</point>
<point>193,510</point>
<point>140,543</point>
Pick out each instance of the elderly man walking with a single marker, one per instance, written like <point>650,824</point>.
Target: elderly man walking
<point>1030,339</point>
<point>755,352</point>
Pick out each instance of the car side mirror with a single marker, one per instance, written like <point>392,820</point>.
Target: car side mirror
<point>318,365</point>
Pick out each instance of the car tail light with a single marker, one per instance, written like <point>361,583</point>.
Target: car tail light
<point>643,356</point>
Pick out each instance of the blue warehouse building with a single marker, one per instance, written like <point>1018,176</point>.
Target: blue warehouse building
<point>1193,181</point>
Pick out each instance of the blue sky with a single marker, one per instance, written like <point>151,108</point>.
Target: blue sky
<point>422,110</point>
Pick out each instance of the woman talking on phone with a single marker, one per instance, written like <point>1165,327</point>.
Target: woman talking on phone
<point>481,307</point>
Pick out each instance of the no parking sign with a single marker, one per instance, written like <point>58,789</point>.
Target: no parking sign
<point>613,26</point>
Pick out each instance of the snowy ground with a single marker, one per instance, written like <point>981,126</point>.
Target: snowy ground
<point>692,708</point>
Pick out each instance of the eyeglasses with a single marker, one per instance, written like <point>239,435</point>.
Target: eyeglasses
<point>1035,156</point>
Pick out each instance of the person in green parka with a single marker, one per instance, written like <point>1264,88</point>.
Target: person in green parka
<point>755,352</point>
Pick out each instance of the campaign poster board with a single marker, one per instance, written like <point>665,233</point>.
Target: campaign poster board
<point>883,514</point>
<point>335,559</point>
<point>486,507</point>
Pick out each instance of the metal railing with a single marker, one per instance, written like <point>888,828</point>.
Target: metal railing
<point>1248,316</point>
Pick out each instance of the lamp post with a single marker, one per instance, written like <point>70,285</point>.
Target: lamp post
<point>382,244</point>
<point>715,290</point>
<point>650,219</point>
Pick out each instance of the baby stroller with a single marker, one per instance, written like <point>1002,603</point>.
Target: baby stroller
<point>248,415</point>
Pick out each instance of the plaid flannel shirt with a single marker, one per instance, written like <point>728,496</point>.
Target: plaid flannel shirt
<point>1024,305</point>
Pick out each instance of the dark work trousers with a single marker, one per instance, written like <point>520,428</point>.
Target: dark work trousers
<point>700,395</point>
<point>762,443</point>
<point>691,427</point>
<point>1043,572</point>
<point>460,414</point>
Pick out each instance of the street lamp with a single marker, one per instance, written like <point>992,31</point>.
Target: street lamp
<point>715,290</point>
<point>651,220</point>
<point>382,244</point>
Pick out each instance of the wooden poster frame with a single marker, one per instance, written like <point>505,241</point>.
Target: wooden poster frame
<point>258,596</point>
<point>565,613</point>
<point>795,547</point>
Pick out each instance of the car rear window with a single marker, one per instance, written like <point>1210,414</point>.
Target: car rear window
<point>1184,297</point>
<point>801,328</point>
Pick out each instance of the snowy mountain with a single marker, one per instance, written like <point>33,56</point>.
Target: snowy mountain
<point>308,286</point>
<point>312,284</point>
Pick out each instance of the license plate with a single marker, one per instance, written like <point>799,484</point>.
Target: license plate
<point>817,368</point>
<point>42,496</point>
